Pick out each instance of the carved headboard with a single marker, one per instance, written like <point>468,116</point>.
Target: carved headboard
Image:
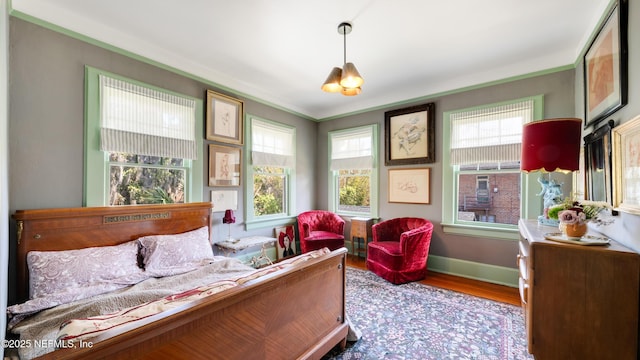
<point>77,228</point>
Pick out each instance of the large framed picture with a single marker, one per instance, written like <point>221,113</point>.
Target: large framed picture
<point>286,243</point>
<point>224,118</point>
<point>605,67</point>
<point>410,185</point>
<point>224,165</point>
<point>626,162</point>
<point>410,135</point>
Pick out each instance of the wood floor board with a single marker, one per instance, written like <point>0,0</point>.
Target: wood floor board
<point>478,288</point>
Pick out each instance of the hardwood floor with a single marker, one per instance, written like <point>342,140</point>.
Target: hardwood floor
<point>478,288</point>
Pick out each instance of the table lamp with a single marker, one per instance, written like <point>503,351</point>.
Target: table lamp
<point>229,218</point>
<point>548,146</point>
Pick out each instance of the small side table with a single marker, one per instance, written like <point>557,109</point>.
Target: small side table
<point>231,249</point>
<point>360,234</point>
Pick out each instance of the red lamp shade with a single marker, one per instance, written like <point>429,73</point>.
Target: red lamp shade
<point>551,145</point>
<point>228,218</point>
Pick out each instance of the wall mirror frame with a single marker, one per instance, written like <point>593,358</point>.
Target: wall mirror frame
<point>598,166</point>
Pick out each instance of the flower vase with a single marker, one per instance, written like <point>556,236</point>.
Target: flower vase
<point>576,230</point>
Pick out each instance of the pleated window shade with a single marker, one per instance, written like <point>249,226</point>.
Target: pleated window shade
<point>352,149</point>
<point>272,144</point>
<point>138,120</point>
<point>489,135</point>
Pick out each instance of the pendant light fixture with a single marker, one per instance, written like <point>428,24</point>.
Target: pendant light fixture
<point>346,80</point>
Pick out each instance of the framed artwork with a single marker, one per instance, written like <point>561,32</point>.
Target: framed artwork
<point>605,67</point>
<point>597,164</point>
<point>286,242</point>
<point>626,162</point>
<point>224,118</point>
<point>224,165</point>
<point>222,200</point>
<point>410,135</point>
<point>410,185</point>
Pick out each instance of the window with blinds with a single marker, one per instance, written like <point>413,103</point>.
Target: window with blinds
<point>352,159</point>
<point>484,155</point>
<point>489,135</point>
<point>141,145</point>
<point>271,169</point>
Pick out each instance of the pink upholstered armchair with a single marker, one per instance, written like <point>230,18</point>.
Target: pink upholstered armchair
<point>399,250</point>
<point>319,229</point>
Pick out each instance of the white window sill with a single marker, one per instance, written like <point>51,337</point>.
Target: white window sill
<point>484,231</point>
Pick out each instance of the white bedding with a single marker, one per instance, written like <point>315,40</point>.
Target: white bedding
<point>42,328</point>
<point>40,332</point>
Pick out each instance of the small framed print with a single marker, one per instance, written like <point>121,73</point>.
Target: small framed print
<point>411,186</point>
<point>224,118</point>
<point>626,162</point>
<point>410,135</point>
<point>224,165</point>
<point>224,199</point>
<point>286,242</point>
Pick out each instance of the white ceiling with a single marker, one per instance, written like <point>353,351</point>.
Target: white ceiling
<point>281,51</point>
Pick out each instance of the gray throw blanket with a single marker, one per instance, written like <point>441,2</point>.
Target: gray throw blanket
<point>45,324</point>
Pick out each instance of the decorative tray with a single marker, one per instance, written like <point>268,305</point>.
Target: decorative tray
<point>585,240</point>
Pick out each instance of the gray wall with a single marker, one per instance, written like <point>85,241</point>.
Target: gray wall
<point>631,223</point>
<point>46,122</point>
<point>558,91</point>
<point>47,115</point>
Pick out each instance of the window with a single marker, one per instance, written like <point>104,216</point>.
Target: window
<point>140,143</point>
<point>271,167</point>
<point>353,183</point>
<point>483,181</point>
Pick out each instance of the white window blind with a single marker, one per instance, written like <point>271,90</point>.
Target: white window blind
<point>352,149</point>
<point>272,145</point>
<point>489,135</point>
<point>138,120</point>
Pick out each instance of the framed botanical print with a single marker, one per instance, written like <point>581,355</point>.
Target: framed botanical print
<point>605,67</point>
<point>224,118</point>
<point>410,135</point>
<point>224,165</point>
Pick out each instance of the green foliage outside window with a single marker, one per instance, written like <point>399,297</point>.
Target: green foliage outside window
<point>268,190</point>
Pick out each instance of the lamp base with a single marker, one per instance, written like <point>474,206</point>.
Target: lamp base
<point>542,220</point>
<point>232,240</point>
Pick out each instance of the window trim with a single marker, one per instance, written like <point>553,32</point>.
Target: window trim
<point>528,208</point>
<point>251,221</point>
<point>333,191</point>
<point>96,163</point>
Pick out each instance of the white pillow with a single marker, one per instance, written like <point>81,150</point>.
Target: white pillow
<point>166,255</point>
<point>54,272</point>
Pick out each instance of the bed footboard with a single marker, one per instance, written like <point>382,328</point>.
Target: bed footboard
<point>297,312</point>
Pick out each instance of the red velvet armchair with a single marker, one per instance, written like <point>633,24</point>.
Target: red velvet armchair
<point>399,249</point>
<point>319,229</point>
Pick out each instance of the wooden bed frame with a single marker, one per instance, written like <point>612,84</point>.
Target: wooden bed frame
<point>297,312</point>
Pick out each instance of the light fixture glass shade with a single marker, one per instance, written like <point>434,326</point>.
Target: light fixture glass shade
<point>350,76</point>
<point>551,145</point>
<point>351,91</point>
<point>332,84</point>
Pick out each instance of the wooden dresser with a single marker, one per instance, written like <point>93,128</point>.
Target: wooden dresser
<point>580,302</point>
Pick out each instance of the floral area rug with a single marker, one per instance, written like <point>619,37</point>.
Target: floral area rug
<point>415,321</point>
